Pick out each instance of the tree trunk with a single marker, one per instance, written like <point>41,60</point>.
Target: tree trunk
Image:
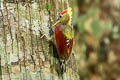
<point>25,53</point>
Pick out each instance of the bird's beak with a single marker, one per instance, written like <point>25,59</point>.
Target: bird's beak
<point>69,11</point>
<point>56,23</point>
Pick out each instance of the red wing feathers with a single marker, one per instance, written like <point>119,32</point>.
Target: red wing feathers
<point>63,49</point>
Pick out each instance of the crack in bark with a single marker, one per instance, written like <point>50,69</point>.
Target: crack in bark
<point>9,27</point>
<point>5,49</point>
<point>31,35</point>
<point>24,51</point>
<point>18,32</point>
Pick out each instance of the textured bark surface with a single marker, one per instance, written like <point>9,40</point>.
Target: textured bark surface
<point>25,53</point>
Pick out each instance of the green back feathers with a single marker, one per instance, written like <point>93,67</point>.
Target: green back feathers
<point>68,33</point>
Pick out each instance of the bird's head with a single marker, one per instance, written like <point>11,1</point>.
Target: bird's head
<point>65,17</point>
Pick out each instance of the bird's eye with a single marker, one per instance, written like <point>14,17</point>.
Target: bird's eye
<point>60,16</point>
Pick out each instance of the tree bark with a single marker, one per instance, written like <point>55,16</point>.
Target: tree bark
<point>25,53</point>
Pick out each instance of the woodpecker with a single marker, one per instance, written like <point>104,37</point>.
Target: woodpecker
<point>63,34</point>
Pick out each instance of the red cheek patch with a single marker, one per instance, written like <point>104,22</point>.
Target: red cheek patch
<point>63,12</point>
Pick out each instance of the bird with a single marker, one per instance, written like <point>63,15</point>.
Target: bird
<point>63,34</point>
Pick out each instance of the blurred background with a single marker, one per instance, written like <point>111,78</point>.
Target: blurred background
<point>97,38</point>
